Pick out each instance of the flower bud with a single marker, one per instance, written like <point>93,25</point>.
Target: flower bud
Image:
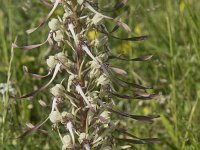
<point>61,57</point>
<point>95,69</point>
<point>54,24</point>
<point>58,36</point>
<point>95,64</point>
<point>92,97</point>
<point>58,90</point>
<point>51,62</point>
<point>70,79</point>
<point>105,115</point>
<point>69,64</point>
<point>66,114</point>
<point>55,117</point>
<point>105,118</point>
<point>67,142</point>
<point>66,14</point>
<point>82,137</point>
<point>102,80</point>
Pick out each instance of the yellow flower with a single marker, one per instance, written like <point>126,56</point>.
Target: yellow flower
<point>125,48</point>
<point>92,35</point>
<point>146,110</point>
<point>137,29</point>
<point>182,6</point>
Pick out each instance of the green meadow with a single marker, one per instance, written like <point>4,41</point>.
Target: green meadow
<point>173,27</point>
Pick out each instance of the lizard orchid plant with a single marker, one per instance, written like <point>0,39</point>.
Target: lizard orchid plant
<point>82,103</point>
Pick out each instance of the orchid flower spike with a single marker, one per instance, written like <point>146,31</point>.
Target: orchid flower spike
<point>84,98</point>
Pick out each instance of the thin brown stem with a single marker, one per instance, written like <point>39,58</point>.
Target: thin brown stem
<point>83,111</point>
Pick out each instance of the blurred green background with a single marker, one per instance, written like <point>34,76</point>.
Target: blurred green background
<point>174,29</point>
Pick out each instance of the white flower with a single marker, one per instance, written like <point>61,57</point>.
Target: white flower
<point>58,90</point>
<point>95,69</point>
<point>54,24</point>
<point>58,36</point>
<point>4,87</point>
<point>67,142</point>
<point>82,137</point>
<point>92,97</point>
<point>103,80</point>
<point>66,114</point>
<point>70,79</point>
<point>95,65</point>
<point>105,115</point>
<point>55,117</point>
<point>62,57</point>
<point>51,62</point>
<point>66,14</point>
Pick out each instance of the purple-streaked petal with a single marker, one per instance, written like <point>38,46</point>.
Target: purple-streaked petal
<point>119,22</point>
<point>35,128</point>
<point>119,71</point>
<point>80,91</point>
<point>46,18</point>
<point>25,69</point>
<point>57,68</point>
<point>142,58</point>
<point>29,47</point>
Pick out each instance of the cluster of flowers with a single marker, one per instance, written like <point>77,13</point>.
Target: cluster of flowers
<point>5,86</point>
<point>82,105</point>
